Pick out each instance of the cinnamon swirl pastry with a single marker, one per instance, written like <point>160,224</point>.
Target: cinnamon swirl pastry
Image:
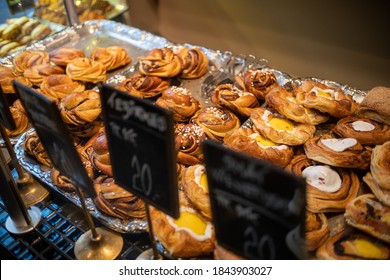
<point>60,85</point>
<point>364,130</point>
<point>376,105</point>
<point>188,139</point>
<point>61,181</point>
<point>180,102</point>
<point>116,201</point>
<point>285,103</point>
<point>81,112</point>
<point>99,155</point>
<point>144,86</point>
<point>111,57</point>
<point>249,141</point>
<point>195,187</point>
<point>340,152</point>
<point>160,62</point>
<point>368,214</point>
<point>257,81</point>
<point>86,70</point>
<point>64,55</point>
<point>350,245</point>
<point>317,230</point>
<point>279,129</point>
<point>188,236</point>
<point>6,78</point>
<point>194,63</point>
<point>34,147</point>
<point>216,123</point>
<point>335,102</point>
<point>20,119</point>
<point>230,97</point>
<point>36,73</point>
<point>28,58</point>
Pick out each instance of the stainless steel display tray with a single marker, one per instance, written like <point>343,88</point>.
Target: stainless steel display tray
<point>42,173</point>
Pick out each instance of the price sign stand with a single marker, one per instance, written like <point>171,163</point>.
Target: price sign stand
<point>31,191</point>
<point>96,243</point>
<point>255,204</point>
<point>141,143</point>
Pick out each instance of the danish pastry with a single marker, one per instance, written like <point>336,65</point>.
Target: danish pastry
<point>36,73</point>
<point>100,156</point>
<point>368,214</point>
<point>279,129</point>
<point>160,62</point>
<point>34,147</point>
<point>63,56</point>
<point>86,70</point>
<point>216,123</point>
<point>230,97</point>
<point>60,85</point>
<point>376,105</point>
<point>364,130</point>
<point>194,63</point>
<point>111,57</point>
<point>144,86</point>
<point>180,102</point>
<point>285,103</point>
<point>188,139</point>
<point>340,152</point>
<point>317,230</point>
<point>335,102</point>
<point>28,58</point>
<point>21,122</point>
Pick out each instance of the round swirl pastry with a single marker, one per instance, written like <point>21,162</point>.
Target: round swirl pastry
<point>6,78</point>
<point>249,141</point>
<point>194,63</point>
<point>99,155</point>
<point>160,62</point>
<point>230,97</point>
<point>86,70</point>
<point>335,102</point>
<point>327,189</point>
<point>144,86</point>
<point>34,147</point>
<point>220,253</point>
<point>20,119</point>
<point>364,130</point>
<point>216,123</point>
<point>188,236</point>
<point>180,102</point>
<point>64,55</point>
<point>116,201</point>
<point>317,230</point>
<point>36,73</point>
<point>279,129</point>
<point>27,58</point>
<point>60,85</point>
<point>194,183</point>
<point>379,178</point>
<point>111,57</point>
<point>340,152</point>
<point>376,105</point>
<point>81,112</point>
<point>188,139</point>
<point>257,81</point>
<point>368,214</point>
<point>351,245</point>
<point>285,103</point>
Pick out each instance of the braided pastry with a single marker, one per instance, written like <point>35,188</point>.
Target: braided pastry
<point>160,62</point>
<point>28,58</point>
<point>99,155</point>
<point>144,86</point>
<point>259,82</point>
<point>63,56</point>
<point>86,70</point>
<point>34,147</point>
<point>36,73</point>
<point>20,119</point>
<point>111,57</point>
<point>194,63</point>
<point>60,85</point>
<point>188,139</point>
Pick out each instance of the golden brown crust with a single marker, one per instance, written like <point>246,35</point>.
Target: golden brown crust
<point>188,139</point>
<point>180,102</point>
<point>111,57</point>
<point>376,105</point>
<point>220,253</point>
<point>86,70</point>
<point>64,55</point>
<point>257,81</point>
<point>100,156</point>
<point>61,181</point>
<point>160,62</point>
<point>59,86</point>
<point>21,121</point>
<point>382,194</point>
<point>144,86</point>
<point>317,230</point>
<point>230,97</point>
<point>6,78</point>
<point>29,58</point>
<point>34,147</point>
<point>194,63</point>
<point>36,73</point>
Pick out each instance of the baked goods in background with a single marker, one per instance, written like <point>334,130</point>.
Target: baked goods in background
<point>376,105</point>
<point>100,156</point>
<point>34,147</point>
<point>257,81</point>
<point>7,75</point>
<point>161,62</point>
<point>194,63</point>
<point>64,55</point>
<point>188,140</point>
<point>111,57</point>
<point>27,58</point>
<point>144,86</point>
<point>36,73</point>
<point>20,119</point>
<point>60,85</point>
<point>317,230</point>
<point>86,70</point>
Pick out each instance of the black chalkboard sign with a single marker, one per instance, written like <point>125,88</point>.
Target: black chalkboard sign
<point>5,114</point>
<point>55,137</point>
<point>141,143</point>
<point>254,204</point>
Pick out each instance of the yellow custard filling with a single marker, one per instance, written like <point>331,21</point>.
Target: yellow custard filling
<point>323,93</point>
<point>281,124</point>
<point>203,181</point>
<point>192,222</point>
<point>264,142</point>
<point>366,249</point>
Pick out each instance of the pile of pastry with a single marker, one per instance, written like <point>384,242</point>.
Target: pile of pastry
<point>17,33</point>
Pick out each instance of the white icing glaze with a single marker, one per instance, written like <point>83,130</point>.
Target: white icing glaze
<point>291,99</point>
<point>199,171</point>
<point>278,147</point>
<point>330,91</point>
<point>362,126</point>
<point>322,177</point>
<point>339,145</point>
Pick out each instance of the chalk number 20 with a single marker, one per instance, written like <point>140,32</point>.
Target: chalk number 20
<point>142,176</point>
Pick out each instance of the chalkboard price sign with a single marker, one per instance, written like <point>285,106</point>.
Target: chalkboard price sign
<point>141,143</point>
<point>254,204</point>
<point>55,137</point>
<point>5,114</point>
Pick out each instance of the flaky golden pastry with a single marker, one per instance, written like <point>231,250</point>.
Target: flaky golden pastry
<point>86,70</point>
<point>257,81</point>
<point>334,101</point>
<point>285,103</point>
<point>100,156</point>
<point>64,55</point>
<point>111,57</point>
<point>36,73</point>
<point>353,156</point>
<point>376,105</point>
<point>144,86</point>
<point>21,122</point>
<point>29,58</point>
<point>230,97</point>
<point>368,214</point>
<point>160,62</point>
<point>61,181</point>
<point>317,230</point>
<point>59,86</point>
<point>216,123</point>
<point>34,147</point>
<point>180,101</point>
<point>6,78</point>
<point>221,253</point>
<point>364,130</point>
<point>279,129</point>
<point>81,112</point>
<point>194,63</point>
<point>188,139</point>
